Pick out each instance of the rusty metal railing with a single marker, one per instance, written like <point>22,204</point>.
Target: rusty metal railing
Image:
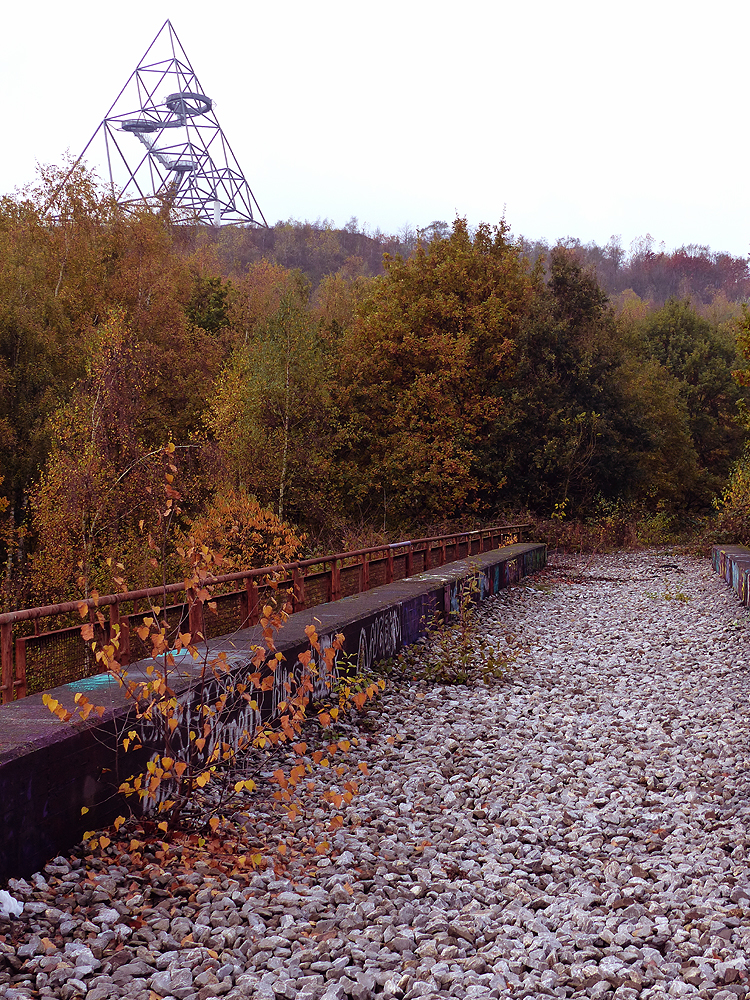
<point>45,659</point>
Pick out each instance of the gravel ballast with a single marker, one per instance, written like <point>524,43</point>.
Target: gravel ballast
<point>579,828</point>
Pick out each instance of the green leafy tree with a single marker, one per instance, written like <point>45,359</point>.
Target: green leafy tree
<point>588,414</point>
<point>270,416</point>
<point>208,306</point>
<point>551,438</point>
<point>701,357</point>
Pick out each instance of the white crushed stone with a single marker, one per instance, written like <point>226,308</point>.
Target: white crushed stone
<point>580,829</point>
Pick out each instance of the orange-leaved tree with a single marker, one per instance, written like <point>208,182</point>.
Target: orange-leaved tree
<point>97,489</point>
<point>420,370</point>
<point>244,532</point>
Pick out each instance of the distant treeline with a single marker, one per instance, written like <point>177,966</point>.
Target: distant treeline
<point>653,273</point>
<point>326,387</point>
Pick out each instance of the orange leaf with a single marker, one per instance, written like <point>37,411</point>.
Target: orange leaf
<point>287,727</point>
<point>280,778</point>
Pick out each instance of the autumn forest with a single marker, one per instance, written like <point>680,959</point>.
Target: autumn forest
<point>326,387</point>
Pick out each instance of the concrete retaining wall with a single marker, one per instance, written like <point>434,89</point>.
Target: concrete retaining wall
<point>49,770</point>
<point>732,562</point>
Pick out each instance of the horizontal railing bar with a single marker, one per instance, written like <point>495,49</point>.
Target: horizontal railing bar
<point>416,541</point>
<point>52,610</point>
<point>286,575</point>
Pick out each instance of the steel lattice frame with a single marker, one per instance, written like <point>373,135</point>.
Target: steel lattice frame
<point>164,143</point>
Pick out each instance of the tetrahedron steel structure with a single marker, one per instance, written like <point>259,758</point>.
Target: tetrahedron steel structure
<point>164,143</point>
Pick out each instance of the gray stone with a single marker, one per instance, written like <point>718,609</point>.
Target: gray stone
<point>579,826</point>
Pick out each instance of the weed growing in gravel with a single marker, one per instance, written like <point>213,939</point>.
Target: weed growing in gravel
<point>457,651</point>
<point>669,595</point>
<point>678,595</point>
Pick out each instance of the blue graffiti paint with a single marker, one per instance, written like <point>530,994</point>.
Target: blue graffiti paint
<point>94,683</point>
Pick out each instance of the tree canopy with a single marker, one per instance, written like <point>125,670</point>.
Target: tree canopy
<point>457,375</point>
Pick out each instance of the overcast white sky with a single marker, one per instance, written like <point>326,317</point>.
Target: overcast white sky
<point>583,118</point>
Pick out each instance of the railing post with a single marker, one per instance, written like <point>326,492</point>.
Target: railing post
<point>364,576</point>
<point>20,682</point>
<point>195,618</point>
<point>410,560</point>
<point>251,589</point>
<point>389,566</point>
<point>427,556</point>
<point>298,588</point>
<point>6,646</point>
<point>336,579</point>
<point>443,553</point>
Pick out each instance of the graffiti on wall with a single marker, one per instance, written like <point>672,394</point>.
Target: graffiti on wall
<point>379,638</point>
<point>231,727</point>
<point>375,638</point>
